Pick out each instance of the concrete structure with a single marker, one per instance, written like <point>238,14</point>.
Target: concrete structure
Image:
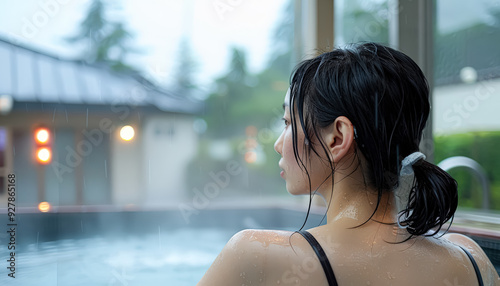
<point>83,107</point>
<point>467,107</point>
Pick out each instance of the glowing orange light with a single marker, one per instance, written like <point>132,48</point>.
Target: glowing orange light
<point>42,136</point>
<point>44,207</point>
<point>43,155</point>
<point>250,157</point>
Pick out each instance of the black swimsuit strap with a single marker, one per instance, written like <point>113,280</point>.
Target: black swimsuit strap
<point>322,257</point>
<point>476,268</point>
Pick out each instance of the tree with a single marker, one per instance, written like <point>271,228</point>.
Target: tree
<point>472,46</point>
<point>185,83</point>
<point>233,92</point>
<point>283,42</point>
<point>365,22</point>
<point>91,31</point>
<point>106,42</point>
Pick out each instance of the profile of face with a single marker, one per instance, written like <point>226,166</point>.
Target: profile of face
<point>295,175</point>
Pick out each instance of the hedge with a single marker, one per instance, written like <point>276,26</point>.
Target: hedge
<point>483,147</point>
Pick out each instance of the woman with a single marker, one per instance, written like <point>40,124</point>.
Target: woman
<point>353,123</point>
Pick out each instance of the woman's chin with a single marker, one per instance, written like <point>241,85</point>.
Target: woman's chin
<point>297,192</point>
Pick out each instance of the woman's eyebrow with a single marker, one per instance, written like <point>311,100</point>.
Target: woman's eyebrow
<point>285,105</point>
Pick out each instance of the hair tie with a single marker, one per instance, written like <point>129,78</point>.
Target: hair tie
<point>402,192</point>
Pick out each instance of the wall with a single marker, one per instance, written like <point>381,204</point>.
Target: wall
<point>170,143</point>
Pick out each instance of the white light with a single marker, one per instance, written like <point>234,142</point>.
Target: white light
<point>6,103</point>
<point>127,133</point>
<point>468,75</point>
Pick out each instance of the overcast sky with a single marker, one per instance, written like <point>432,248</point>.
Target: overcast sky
<point>212,26</point>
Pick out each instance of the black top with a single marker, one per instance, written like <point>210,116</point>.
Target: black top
<point>322,257</point>
<point>478,273</point>
<point>329,271</point>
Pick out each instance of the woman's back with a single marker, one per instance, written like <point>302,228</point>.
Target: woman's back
<point>267,257</point>
<point>358,259</point>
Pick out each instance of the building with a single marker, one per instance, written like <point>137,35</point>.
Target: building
<point>83,109</point>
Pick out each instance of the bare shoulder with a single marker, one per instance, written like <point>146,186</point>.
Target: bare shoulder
<point>488,271</point>
<point>254,256</point>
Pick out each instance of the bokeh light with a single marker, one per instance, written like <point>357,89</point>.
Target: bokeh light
<point>127,133</point>
<point>44,207</point>
<point>43,155</point>
<point>250,157</point>
<point>42,135</point>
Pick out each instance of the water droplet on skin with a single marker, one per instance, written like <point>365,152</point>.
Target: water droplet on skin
<point>368,283</point>
<point>437,261</point>
<point>260,280</point>
<point>278,282</point>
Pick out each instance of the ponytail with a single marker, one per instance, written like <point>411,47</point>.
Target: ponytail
<point>433,199</point>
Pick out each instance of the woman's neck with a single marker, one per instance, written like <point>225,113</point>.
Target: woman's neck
<point>352,201</point>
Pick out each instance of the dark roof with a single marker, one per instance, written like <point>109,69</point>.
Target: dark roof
<point>34,77</point>
<point>474,46</point>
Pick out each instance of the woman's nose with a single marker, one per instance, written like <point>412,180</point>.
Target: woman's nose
<point>278,145</point>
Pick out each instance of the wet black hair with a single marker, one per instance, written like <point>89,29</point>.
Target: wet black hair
<point>385,95</point>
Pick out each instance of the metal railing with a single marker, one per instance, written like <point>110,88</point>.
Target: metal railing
<point>475,168</point>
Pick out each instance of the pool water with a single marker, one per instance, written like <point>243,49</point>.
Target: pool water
<point>168,257</point>
<point>138,248</point>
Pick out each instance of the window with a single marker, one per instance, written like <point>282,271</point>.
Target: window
<point>467,96</point>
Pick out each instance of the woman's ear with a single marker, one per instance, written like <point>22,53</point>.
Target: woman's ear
<point>339,138</point>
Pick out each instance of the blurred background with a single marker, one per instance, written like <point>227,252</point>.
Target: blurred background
<point>141,133</point>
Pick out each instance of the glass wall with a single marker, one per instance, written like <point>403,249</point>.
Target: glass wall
<point>467,96</point>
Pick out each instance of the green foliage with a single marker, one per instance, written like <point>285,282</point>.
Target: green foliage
<point>184,77</point>
<point>242,99</point>
<point>364,21</point>
<point>106,42</point>
<point>481,147</point>
<point>92,25</point>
